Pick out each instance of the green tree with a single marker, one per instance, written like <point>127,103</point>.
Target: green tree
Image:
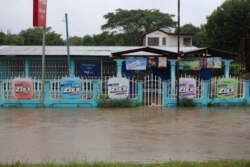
<point>190,29</point>
<point>131,24</point>
<point>228,23</point>
<point>53,38</point>
<point>88,40</point>
<point>10,39</point>
<point>33,36</point>
<point>201,37</point>
<point>2,38</point>
<point>76,41</point>
<point>109,39</point>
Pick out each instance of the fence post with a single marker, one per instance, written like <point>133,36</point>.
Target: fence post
<point>173,66</point>
<point>26,67</point>
<point>94,89</point>
<point>72,67</point>
<point>247,93</point>
<point>164,93</point>
<point>205,98</point>
<point>227,67</point>
<point>46,95</point>
<point>118,67</point>
<point>140,92</point>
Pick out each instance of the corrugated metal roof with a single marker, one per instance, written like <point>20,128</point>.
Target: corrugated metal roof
<point>62,50</point>
<point>78,50</point>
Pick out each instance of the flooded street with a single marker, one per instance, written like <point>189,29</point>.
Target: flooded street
<point>144,134</point>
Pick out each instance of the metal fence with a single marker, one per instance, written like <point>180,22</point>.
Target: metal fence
<point>152,90</point>
<point>102,88</point>
<point>87,89</point>
<point>7,92</point>
<point>213,87</point>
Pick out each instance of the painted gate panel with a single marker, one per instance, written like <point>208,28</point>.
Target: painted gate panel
<point>22,88</point>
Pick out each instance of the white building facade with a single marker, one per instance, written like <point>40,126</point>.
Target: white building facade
<point>166,39</point>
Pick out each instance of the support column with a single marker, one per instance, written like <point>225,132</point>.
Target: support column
<point>119,67</point>
<point>247,91</point>
<point>72,67</point>
<point>140,92</point>
<point>26,68</point>
<point>205,98</point>
<point>173,67</point>
<point>227,67</point>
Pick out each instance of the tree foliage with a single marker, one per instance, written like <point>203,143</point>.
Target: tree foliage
<point>201,37</point>
<point>33,36</point>
<point>131,24</point>
<point>10,39</point>
<point>228,23</point>
<point>76,41</point>
<point>191,29</point>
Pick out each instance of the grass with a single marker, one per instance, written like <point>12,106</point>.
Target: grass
<point>115,103</point>
<point>218,163</point>
<point>187,103</point>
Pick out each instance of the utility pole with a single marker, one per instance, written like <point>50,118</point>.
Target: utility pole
<point>67,39</point>
<point>43,64</point>
<point>178,54</point>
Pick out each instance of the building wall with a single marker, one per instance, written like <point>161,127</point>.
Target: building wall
<point>171,40</point>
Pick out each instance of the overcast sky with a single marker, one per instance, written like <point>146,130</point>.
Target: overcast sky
<point>86,16</point>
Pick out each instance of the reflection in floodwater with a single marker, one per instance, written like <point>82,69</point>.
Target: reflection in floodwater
<point>144,134</point>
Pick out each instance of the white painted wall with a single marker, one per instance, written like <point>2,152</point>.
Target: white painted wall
<point>171,40</point>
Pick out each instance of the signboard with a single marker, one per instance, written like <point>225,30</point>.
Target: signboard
<point>187,88</point>
<point>203,62</point>
<point>39,13</point>
<point>118,88</point>
<point>210,63</point>
<point>89,69</point>
<point>190,65</point>
<point>162,62</point>
<point>227,88</point>
<point>217,62</point>
<point>214,62</point>
<point>138,63</point>
<point>71,88</point>
<point>22,88</point>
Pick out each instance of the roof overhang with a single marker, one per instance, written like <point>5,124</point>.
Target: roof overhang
<point>144,52</point>
<point>212,53</point>
<point>172,52</point>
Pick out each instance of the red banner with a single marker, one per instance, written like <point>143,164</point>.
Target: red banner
<point>39,13</point>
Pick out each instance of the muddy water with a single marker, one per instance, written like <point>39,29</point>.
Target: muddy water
<point>145,134</point>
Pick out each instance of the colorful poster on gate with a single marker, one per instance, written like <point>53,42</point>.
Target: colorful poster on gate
<point>227,88</point>
<point>22,88</point>
<point>118,88</point>
<point>71,88</point>
<point>187,88</point>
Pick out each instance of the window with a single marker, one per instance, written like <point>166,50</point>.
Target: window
<point>187,41</point>
<point>153,41</point>
<point>164,41</point>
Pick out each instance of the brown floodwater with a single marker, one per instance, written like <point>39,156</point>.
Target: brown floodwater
<point>145,134</point>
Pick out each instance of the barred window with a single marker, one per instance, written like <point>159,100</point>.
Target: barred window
<point>153,41</point>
